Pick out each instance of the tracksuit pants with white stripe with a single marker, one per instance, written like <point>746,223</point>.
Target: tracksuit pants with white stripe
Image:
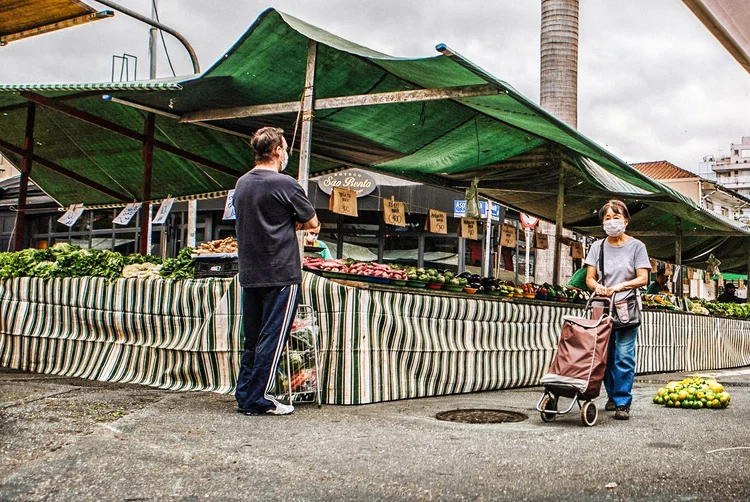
<point>267,314</point>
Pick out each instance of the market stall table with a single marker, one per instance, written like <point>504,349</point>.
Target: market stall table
<point>378,342</point>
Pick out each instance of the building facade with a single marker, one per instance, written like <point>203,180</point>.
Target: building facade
<point>731,171</point>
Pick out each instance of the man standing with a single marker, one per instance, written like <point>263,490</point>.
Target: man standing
<point>729,296</point>
<point>270,208</point>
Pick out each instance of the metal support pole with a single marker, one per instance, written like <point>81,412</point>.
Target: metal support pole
<point>340,239</point>
<point>527,241</point>
<point>420,249</point>
<point>150,22</point>
<point>381,241</point>
<point>307,117</point>
<point>461,255</point>
<point>192,220</point>
<point>515,266</point>
<point>148,163</point>
<point>486,269</point>
<point>678,256</point>
<point>559,215</point>
<point>26,161</point>
<point>152,34</point>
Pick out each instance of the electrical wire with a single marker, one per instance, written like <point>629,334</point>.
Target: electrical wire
<point>163,42</point>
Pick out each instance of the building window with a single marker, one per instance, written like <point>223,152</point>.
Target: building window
<point>724,212</point>
<point>709,205</point>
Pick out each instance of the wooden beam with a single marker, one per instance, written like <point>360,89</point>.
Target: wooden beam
<point>66,172</point>
<point>694,233</point>
<point>82,115</point>
<point>175,116</point>
<point>378,98</point>
<point>124,131</point>
<point>305,146</point>
<point>144,247</point>
<point>26,163</point>
<point>197,159</point>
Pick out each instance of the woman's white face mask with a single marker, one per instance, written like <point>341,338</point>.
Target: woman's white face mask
<point>614,228</point>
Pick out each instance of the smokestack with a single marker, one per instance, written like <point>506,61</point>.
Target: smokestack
<point>559,51</point>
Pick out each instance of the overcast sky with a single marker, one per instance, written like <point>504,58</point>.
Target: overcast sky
<point>653,82</point>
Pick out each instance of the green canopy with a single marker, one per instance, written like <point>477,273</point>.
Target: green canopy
<point>513,146</point>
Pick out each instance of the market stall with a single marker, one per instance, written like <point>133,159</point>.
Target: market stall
<point>378,342</point>
<point>441,121</point>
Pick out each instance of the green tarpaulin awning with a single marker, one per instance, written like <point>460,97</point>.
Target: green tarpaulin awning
<point>516,148</point>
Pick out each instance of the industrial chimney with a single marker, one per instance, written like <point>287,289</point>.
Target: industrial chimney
<point>559,75</point>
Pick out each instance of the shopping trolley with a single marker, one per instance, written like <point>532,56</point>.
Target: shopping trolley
<point>297,378</point>
<point>577,371</point>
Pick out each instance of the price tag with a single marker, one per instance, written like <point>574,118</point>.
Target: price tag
<point>468,229</point>
<point>163,212</point>
<point>394,213</point>
<point>437,222</point>
<point>71,215</point>
<point>542,242</point>
<point>576,250</point>
<point>668,269</point>
<point>230,213</point>
<point>127,214</point>
<point>508,236</point>
<point>343,201</point>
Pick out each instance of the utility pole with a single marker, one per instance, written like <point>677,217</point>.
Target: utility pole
<point>153,33</point>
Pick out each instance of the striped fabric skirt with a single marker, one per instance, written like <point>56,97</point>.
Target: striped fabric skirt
<point>376,344</point>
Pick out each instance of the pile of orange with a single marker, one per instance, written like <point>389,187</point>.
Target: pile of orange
<point>694,393</point>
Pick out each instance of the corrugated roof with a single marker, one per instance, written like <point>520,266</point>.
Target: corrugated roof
<point>663,170</point>
<point>21,19</point>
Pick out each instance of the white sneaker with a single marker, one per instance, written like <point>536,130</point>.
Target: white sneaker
<point>281,409</point>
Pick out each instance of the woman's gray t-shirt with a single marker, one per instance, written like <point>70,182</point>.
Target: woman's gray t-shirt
<point>620,263</point>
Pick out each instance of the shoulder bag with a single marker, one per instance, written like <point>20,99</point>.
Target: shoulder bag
<point>627,312</point>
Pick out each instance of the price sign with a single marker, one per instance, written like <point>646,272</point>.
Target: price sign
<point>343,201</point>
<point>542,242</point>
<point>508,236</point>
<point>230,213</point>
<point>437,222</point>
<point>71,215</point>
<point>468,229</point>
<point>394,213</point>
<point>127,214</point>
<point>576,250</point>
<point>163,212</point>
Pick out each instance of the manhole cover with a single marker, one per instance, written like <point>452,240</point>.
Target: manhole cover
<point>481,416</point>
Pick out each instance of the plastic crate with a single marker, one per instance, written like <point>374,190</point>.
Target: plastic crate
<point>216,267</point>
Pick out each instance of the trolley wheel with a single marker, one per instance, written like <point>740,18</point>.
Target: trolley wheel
<point>589,414</point>
<point>549,403</point>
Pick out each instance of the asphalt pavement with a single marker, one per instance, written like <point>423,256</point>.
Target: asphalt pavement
<point>73,439</point>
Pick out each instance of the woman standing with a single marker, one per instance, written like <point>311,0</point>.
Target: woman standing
<point>625,265</point>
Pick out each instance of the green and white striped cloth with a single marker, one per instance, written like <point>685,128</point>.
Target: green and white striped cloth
<point>375,344</point>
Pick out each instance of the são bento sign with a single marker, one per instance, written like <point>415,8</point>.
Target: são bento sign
<point>354,179</point>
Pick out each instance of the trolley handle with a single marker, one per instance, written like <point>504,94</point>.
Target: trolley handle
<point>602,299</point>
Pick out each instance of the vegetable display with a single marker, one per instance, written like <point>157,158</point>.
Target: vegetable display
<point>693,393</point>
<point>219,246</point>
<point>65,260</point>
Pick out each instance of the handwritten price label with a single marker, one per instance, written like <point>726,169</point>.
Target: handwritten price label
<point>343,201</point>
<point>468,229</point>
<point>437,222</point>
<point>394,213</point>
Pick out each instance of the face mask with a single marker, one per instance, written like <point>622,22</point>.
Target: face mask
<point>285,161</point>
<point>310,237</point>
<point>614,228</point>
